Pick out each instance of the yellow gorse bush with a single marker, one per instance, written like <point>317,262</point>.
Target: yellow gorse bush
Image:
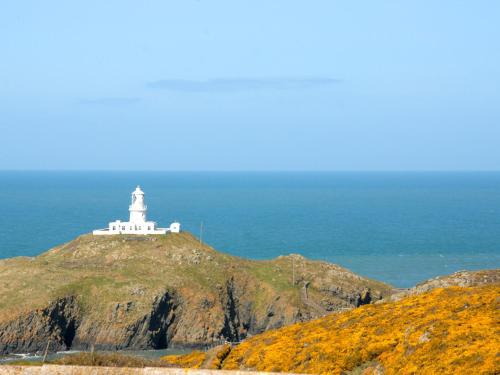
<point>192,360</point>
<point>445,331</point>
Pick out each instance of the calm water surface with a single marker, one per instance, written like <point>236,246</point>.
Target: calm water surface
<point>401,228</point>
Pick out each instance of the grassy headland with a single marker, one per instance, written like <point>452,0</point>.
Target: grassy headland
<point>121,291</point>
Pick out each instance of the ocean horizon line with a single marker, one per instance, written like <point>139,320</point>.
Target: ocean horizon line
<point>256,170</point>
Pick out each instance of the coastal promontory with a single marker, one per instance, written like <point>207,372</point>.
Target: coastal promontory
<point>152,292</point>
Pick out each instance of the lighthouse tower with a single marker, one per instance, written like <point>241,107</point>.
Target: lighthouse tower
<point>138,208</point>
<point>137,223</point>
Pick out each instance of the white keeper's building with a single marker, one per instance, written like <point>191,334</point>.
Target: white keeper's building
<point>137,223</point>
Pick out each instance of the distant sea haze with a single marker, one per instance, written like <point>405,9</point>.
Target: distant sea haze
<point>401,228</point>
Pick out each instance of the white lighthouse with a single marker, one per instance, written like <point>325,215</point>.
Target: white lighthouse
<point>137,223</point>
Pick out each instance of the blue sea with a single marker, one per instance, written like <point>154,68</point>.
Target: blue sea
<point>401,228</point>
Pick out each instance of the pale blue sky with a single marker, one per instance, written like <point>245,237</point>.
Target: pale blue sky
<point>250,85</point>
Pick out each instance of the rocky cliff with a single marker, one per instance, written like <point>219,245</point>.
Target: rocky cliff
<point>116,292</point>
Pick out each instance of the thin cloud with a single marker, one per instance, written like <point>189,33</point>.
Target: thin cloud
<point>241,84</point>
<point>116,101</point>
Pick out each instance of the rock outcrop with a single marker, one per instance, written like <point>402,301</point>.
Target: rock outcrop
<point>460,278</point>
<point>154,292</point>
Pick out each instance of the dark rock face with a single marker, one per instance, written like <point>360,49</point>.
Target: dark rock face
<point>155,330</point>
<point>364,298</point>
<point>232,322</point>
<point>61,326</point>
<point>55,326</point>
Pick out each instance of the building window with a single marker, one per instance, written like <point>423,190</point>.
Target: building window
<point>149,228</point>
<point>114,228</point>
<point>123,228</point>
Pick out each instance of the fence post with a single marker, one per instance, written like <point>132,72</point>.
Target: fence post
<point>46,351</point>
